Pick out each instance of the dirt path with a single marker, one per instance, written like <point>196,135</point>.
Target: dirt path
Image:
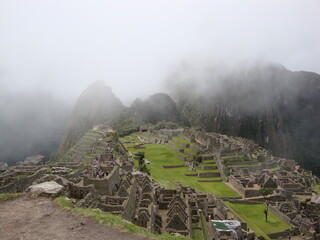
<point>32,219</point>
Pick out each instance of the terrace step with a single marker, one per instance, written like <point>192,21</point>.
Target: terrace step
<point>208,162</point>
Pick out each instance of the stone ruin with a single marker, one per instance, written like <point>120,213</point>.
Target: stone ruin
<point>98,173</point>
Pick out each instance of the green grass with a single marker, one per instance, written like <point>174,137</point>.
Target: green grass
<point>160,155</point>
<point>191,151</point>
<point>245,165</point>
<point>232,156</point>
<point>255,218</point>
<point>9,196</point>
<point>204,227</point>
<point>202,171</point>
<point>317,188</point>
<point>177,144</point>
<point>180,139</point>
<point>115,221</point>
<point>21,175</point>
<point>274,168</point>
<point>197,234</point>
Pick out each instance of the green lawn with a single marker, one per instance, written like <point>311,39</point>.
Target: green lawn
<point>160,155</point>
<point>255,218</point>
<point>180,139</point>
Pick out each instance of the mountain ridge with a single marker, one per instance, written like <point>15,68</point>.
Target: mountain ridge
<point>269,104</point>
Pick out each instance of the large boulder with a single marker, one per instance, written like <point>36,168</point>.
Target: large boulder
<point>47,187</point>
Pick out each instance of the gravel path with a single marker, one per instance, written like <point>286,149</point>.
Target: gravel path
<point>32,219</point>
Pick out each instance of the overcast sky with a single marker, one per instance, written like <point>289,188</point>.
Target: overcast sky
<point>63,45</point>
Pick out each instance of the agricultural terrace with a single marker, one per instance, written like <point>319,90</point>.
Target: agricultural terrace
<point>255,218</point>
<point>159,154</point>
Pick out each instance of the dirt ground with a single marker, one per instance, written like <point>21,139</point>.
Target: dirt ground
<point>31,219</point>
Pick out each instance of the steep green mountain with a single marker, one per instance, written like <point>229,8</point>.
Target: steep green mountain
<point>277,108</point>
<point>96,105</point>
<point>156,108</point>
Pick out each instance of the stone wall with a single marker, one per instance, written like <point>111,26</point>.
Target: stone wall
<point>107,185</point>
<point>21,184</point>
<point>207,157</point>
<point>79,191</point>
<point>251,193</point>
<point>270,164</point>
<point>210,180</point>
<point>191,174</point>
<point>127,168</point>
<point>91,199</point>
<point>281,215</point>
<point>204,167</point>
<point>243,163</point>
<point>195,147</point>
<point>173,166</point>
<point>76,174</point>
<point>130,203</point>
<point>251,168</point>
<point>172,145</point>
<point>245,192</point>
<point>208,174</point>
<point>280,235</point>
<point>185,145</point>
<point>189,154</point>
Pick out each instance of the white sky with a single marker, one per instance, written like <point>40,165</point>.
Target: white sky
<point>63,45</point>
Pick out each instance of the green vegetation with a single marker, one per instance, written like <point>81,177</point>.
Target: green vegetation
<point>191,151</point>
<point>204,227</point>
<point>274,168</point>
<point>159,155</point>
<point>177,144</point>
<point>9,196</point>
<point>252,214</point>
<point>125,124</point>
<point>317,188</point>
<point>21,175</point>
<point>180,139</point>
<point>115,221</point>
<point>142,165</point>
<point>265,192</point>
<point>197,234</point>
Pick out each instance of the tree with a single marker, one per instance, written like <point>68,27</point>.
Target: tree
<point>196,159</point>
<point>265,192</point>
<point>140,156</point>
<point>145,169</point>
<point>142,165</point>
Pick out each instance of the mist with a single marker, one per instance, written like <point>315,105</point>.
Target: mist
<point>50,51</point>
<point>30,122</point>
